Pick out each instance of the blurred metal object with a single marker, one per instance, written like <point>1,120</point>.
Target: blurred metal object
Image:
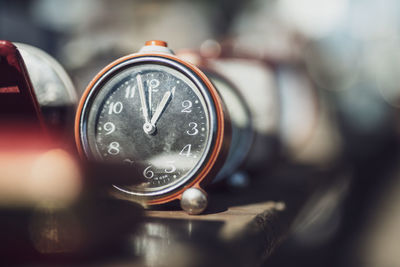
<point>194,200</point>
<point>54,89</point>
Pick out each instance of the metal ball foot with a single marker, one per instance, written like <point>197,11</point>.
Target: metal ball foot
<point>194,201</point>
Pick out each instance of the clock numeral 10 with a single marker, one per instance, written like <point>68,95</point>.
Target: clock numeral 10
<point>186,150</point>
<point>115,107</point>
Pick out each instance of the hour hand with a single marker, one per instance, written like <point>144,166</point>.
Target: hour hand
<point>147,126</point>
<point>160,108</point>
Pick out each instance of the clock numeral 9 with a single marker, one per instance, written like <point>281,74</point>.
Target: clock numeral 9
<point>115,107</point>
<point>186,104</point>
<point>109,127</point>
<point>186,150</point>
<point>113,148</point>
<point>194,129</point>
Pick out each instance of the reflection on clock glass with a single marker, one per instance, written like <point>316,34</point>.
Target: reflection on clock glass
<point>151,117</point>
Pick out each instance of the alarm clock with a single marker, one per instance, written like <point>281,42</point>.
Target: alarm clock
<point>162,116</point>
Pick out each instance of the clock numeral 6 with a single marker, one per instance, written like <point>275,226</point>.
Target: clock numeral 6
<point>147,173</point>
<point>186,104</point>
<point>109,127</point>
<point>194,129</point>
<point>115,107</point>
<point>186,150</point>
<point>113,148</point>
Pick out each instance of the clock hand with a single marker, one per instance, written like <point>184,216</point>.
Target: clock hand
<point>147,127</point>
<point>160,108</point>
<point>142,98</point>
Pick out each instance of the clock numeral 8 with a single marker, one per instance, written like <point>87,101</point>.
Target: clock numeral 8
<point>113,148</point>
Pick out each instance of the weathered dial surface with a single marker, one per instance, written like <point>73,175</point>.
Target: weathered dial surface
<point>154,118</point>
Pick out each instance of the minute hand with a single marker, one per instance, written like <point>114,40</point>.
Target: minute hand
<point>160,108</point>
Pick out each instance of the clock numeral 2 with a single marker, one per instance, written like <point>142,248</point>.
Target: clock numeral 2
<point>186,104</point>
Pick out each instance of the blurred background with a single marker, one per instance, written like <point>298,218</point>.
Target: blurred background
<point>347,50</point>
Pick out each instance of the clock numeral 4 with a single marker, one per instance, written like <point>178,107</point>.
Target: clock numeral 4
<point>115,107</point>
<point>186,151</point>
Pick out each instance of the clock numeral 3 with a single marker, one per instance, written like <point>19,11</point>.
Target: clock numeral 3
<point>194,130</point>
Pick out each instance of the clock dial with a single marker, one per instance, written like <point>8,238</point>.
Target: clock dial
<point>153,117</point>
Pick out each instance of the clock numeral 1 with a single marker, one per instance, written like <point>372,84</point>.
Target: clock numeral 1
<point>186,150</point>
<point>115,107</point>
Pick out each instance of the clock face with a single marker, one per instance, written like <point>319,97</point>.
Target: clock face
<point>154,117</point>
